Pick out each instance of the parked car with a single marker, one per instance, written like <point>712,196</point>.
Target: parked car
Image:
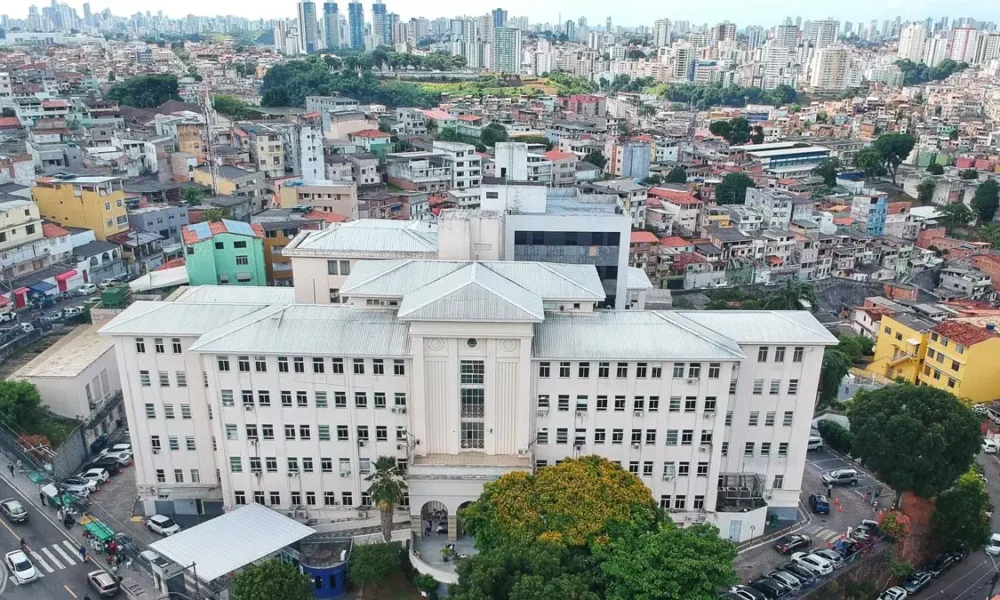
<point>917,581</point>
<point>86,289</point>
<point>940,564</point>
<point>819,504</point>
<point>791,543</point>
<point>990,446</point>
<point>804,575</point>
<point>789,580</point>
<point>111,466</point>
<point>27,327</point>
<point>122,457</point>
<point>115,448</point>
<point>832,556</point>
<point>746,592</point>
<point>847,547</point>
<point>20,567</point>
<point>52,316</point>
<point>106,283</point>
<point>97,475</point>
<point>816,564</point>
<point>162,525</point>
<point>867,529</point>
<point>815,444</point>
<point>841,477</point>
<point>13,510</point>
<point>8,317</point>
<point>79,486</point>
<point>893,593</point>
<point>99,443</point>
<point>103,583</point>
<point>72,311</point>
<point>770,588</point>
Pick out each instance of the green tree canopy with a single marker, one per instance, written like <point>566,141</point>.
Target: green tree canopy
<point>736,131</point>
<point>961,515</point>
<point>272,580</point>
<point>917,73</point>
<point>372,564</point>
<point>968,174</point>
<point>955,215</point>
<point>533,570</point>
<point>870,161</point>
<point>145,91</point>
<point>387,489</point>
<point>828,170</point>
<point>233,107</point>
<point>707,96</point>
<point>676,175</point>
<point>986,199</point>
<point>596,158</point>
<point>935,169</point>
<point>894,148</point>
<point>733,188</point>
<point>925,191</point>
<point>668,563</point>
<point>20,403</point>
<point>215,214</point>
<point>493,133</point>
<point>794,295</point>
<point>193,196</point>
<point>916,438</point>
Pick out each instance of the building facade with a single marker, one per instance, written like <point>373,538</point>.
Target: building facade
<point>224,253</point>
<point>95,203</point>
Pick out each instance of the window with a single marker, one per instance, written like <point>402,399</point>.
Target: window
<point>235,464</point>
<point>779,354</point>
<point>678,370</point>
<point>242,259</point>
<point>603,370</point>
<point>694,370</point>
<point>195,476</point>
<point>158,345</point>
<point>654,403</point>
<point>264,398</point>
<point>321,401</point>
<point>140,346</point>
<point>340,399</point>
<point>181,378</point>
<point>633,467</point>
<point>713,370</point>
<point>185,411</point>
<point>683,469</point>
<point>769,418</point>
<point>775,387</point>
<point>617,436</point>
<point>161,476</point>
<point>144,378</point>
<point>338,366</point>
<point>583,371</point>
<point>274,498</point>
<point>954,365</point>
<point>227,397</point>
<point>687,437</point>
<point>699,503</point>
<point>267,431</point>
<point>398,367</point>
<point>638,403</point>
<point>223,363</point>
<point>602,403</point>
<point>664,502</point>
<point>725,448</point>
<point>732,386</point>
<point>622,371</point>
<point>675,404</point>
<point>762,354</point>
<point>690,404</point>
<point>239,498</point>
<point>951,382</point>
<point>748,449</point>
<point>640,370</point>
<point>758,387</point>
<point>154,443</point>
<point>619,403</point>
<point>783,449</point>
<point>301,399</point>
<point>168,411</point>
<point>298,364</point>
<point>304,432</point>
<point>599,436</point>
<point>729,418</point>
<point>793,387</point>
<point>271,464</point>
<point>282,364</point>
<point>706,438</point>
<point>650,436</point>
<point>656,371</point>
<point>542,437</point>
<point>543,369</point>
<point>323,432</point>
<point>176,345</point>
<point>543,401</point>
<point>702,469</point>
<point>787,419</point>
<point>359,366</point>
<point>765,448</point>
<point>797,353</point>
<point>189,442</point>
<point>342,433</point>
<point>318,366</point>
<point>243,364</point>
<point>381,433</point>
<point>779,482</point>
<point>360,400</point>
<point>563,403</point>
<point>562,435</point>
<point>710,402</point>
<point>289,432</point>
<point>754,415</point>
<point>563,370</point>
<point>231,432</point>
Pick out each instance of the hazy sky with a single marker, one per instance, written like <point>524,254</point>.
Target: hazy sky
<point>742,12</point>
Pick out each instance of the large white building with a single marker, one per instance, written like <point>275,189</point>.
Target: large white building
<point>462,371</point>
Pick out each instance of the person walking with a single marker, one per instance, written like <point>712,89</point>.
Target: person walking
<point>83,554</point>
<point>10,467</point>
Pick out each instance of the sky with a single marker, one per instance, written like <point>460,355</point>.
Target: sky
<point>636,12</point>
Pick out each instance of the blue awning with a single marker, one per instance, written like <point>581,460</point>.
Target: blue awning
<point>41,287</point>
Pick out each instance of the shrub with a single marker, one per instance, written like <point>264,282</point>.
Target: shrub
<point>836,436</point>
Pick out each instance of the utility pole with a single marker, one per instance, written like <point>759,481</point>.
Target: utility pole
<point>210,119</point>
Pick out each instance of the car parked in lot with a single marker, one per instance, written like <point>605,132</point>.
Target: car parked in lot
<point>122,457</point>
<point>790,581</point>
<point>816,564</point>
<point>162,525</point>
<point>917,581</point>
<point>893,593</point>
<point>993,545</point>
<point>819,504</point>
<point>745,592</point>
<point>804,575</point>
<point>13,510</point>
<point>86,289</point>
<point>27,327</point>
<point>815,444</point>
<point>791,543</point>
<point>112,466</point>
<point>20,567</point>
<point>990,447</point>
<point>832,556</point>
<point>97,475</point>
<point>8,317</point>
<point>72,311</point>
<point>841,477</point>
<point>867,529</point>
<point>79,486</point>
<point>940,564</point>
<point>103,583</point>
<point>116,448</point>
<point>770,588</point>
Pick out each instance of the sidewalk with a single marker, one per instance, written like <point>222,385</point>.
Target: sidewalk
<point>136,583</point>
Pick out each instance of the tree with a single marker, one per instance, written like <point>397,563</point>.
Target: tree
<point>193,196</point>
<point>986,199</point>
<point>961,515</point>
<point>493,133</point>
<point>676,175</point>
<point>795,295</point>
<point>213,215</point>
<point>836,365</point>
<point>836,436</point>
<point>935,169</point>
<point>989,233</point>
<point>526,571</point>
<point>145,91</point>
<point>668,563</point>
<point>371,564</point>
<point>654,179</point>
<point>925,191</point>
<point>596,158</point>
<point>233,107</point>
<point>736,131</point>
<point>916,438</point>
<point>955,215</point>
<point>272,579</point>
<point>968,174</point>
<point>870,161</point>
<point>757,134</point>
<point>894,148</point>
<point>733,188</point>
<point>828,171</point>
<point>20,403</point>
<point>387,489</point>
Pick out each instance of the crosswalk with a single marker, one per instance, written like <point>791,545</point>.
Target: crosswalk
<point>57,556</point>
<point>822,533</point>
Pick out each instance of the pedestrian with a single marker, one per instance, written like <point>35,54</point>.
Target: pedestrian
<point>128,563</point>
<point>83,554</point>
<point>119,559</point>
<point>59,513</point>
<point>18,464</point>
<point>427,527</point>
<point>41,496</point>
<point>10,467</point>
<point>850,530</point>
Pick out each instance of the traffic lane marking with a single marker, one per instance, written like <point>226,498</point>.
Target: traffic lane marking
<point>70,591</point>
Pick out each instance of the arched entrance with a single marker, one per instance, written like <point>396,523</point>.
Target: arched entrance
<point>460,528</point>
<point>434,519</point>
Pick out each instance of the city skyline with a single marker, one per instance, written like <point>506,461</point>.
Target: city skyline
<point>766,13</point>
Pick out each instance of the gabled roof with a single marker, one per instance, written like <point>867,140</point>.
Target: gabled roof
<point>371,237</point>
<point>196,232</point>
<point>472,293</point>
<point>764,326</point>
<point>177,318</point>
<point>966,334</point>
<point>638,280</point>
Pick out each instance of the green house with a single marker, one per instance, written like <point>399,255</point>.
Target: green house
<point>224,253</point>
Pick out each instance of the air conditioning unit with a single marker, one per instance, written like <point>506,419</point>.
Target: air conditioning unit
<point>362,443</point>
<point>692,380</point>
<point>248,407</point>
<point>293,473</point>
<point>708,414</point>
<point>252,439</point>
<point>578,445</point>
<point>257,472</point>
<point>402,410</point>
<point>301,514</point>
<point>543,413</point>
<point>637,413</point>
<point>522,451</point>
<point>635,446</point>
<point>156,450</point>
<point>362,514</point>
<point>667,477</point>
<point>581,413</point>
<point>703,448</point>
<point>345,473</point>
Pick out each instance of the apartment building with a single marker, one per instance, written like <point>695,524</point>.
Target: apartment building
<point>267,150</point>
<point>466,165</point>
<point>464,371</point>
<point>337,197</point>
<point>224,252</point>
<point>96,203</point>
<point>774,205</point>
<point>563,167</point>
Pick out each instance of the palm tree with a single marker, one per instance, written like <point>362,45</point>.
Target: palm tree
<point>796,295</point>
<point>386,490</point>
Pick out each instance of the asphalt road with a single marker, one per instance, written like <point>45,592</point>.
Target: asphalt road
<point>971,579</point>
<point>63,574</point>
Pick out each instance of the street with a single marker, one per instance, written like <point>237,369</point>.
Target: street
<point>56,558</point>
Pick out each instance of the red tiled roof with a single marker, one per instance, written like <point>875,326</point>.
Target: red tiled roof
<point>9,123</point>
<point>370,134</point>
<point>438,115</point>
<point>639,237</point>
<point>469,118</point>
<point>215,228</point>
<point>842,220</point>
<point>674,196</point>
<point>329,217</point>
<point>170,264</point>
<point>558,155</point>
<point>684,259</point>
<point>896,208</point>
<point>966,334</point>
<point>54,104</point>
<point>51,230</point>
<point>674,242</point>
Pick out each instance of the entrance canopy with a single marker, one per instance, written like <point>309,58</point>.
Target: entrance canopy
<point>41,287</point>
<point>230,542</point>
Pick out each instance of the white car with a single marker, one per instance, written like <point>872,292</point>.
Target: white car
<point>162,525</point>
<point>893,593</point>
<point>96,475</point>
<point>993,545</point>
<point>86,289</point>
<point>123,457</point>
<point>831,556</point>
<point>816,564</point>
<point>72,311</point>
<point>79,486</point>
<point>116,449</point>
<point>990,446</point>
<point>20,567</point>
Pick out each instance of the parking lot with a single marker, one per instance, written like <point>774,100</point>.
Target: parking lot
<point>848,506</point>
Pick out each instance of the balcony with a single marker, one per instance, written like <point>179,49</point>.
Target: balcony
<point>740,492</point>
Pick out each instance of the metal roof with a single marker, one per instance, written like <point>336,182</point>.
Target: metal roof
<point>629,335</point>
<point>765,327</point>
<point>472,293</point>
<point>176,318</point>
<point>311,329</point>
<point>550,281</point>
<point>227,294</point>
<point>232,541</point>
<point>638,280</point>
<point>373,236</point>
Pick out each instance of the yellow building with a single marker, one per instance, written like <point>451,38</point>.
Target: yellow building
<point>961,358</point>
<point>96,203</point>
<point>900,346</point>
